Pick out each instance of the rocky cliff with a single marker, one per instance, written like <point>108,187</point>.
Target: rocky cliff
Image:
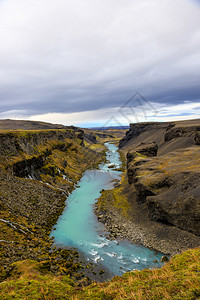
<point>38,169</point>
<point>12,142</point>
<point>163,167</point>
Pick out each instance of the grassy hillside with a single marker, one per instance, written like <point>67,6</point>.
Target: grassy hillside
<point>178,279</point>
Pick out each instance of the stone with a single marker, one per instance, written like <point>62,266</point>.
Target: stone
<point>164,258</point>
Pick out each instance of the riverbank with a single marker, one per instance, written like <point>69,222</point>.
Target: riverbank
<point>124,218</point>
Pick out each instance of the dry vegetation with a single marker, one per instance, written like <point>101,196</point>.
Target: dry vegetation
<point>178,279</point>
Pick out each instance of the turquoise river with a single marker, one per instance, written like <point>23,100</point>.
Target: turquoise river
<point>78,226</point>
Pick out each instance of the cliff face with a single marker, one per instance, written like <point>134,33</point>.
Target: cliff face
<point>141,131</point>
<point>168,136</point>
<point>38,169</point>
<point>163,168</point>
<point>26,141</point>
<point>24,152</point>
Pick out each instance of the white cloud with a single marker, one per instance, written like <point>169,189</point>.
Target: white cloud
<point>71,56</point>
<point>114,117</point>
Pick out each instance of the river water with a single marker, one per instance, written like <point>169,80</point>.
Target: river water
<point>79,228</point>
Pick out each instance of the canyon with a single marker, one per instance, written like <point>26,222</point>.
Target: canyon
<point>156,203</point>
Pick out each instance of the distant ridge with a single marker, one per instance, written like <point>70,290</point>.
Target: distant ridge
<point>110,128</point>
<point>9,124</point>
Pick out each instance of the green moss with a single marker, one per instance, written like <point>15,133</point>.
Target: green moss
<point>123,161</point>
<point>116,197</point>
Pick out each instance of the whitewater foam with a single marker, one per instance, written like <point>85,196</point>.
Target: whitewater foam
<point>93,252</point>
<point>135,260</point>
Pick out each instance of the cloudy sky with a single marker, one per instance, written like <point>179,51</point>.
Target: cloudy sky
<point>91,62</point>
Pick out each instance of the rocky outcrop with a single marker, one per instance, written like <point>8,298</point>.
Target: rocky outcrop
<point>31,167</point>
<point>137,157</point>
<point>179,132</point>
<point>90,137</point>
<point>11,143</point>
<point>150,149</point>
<point>174,133</point>
<point>180,204</point>
<point>168,136</point>
<point>139,128</point>
<point>169,186</point>
<point>165,174</point>
<point>35,201</point>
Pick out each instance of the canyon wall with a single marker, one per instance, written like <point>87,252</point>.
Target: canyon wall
<point>163,166</point>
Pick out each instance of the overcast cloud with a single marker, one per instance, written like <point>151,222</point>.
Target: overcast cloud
<point>59,57</point>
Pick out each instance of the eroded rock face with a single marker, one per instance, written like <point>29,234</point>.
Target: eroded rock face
<point>178,132</point>
<point>11,143</point>
<point>30,167</point>
<point>145,132</point>
<point>174,133</point>
<point>143,191</point>
<point>26,141</point>
<point>135,130</point>
<point>135,159</point>
<point>197,138</point>
<point>90,137</point>
<point>179,205</point>
<point>168,136</point>
<point>165,173</point>
<point>149,149</point>
<point>170,186</point>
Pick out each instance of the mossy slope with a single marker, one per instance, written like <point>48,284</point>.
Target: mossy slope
<point>178,279</point>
